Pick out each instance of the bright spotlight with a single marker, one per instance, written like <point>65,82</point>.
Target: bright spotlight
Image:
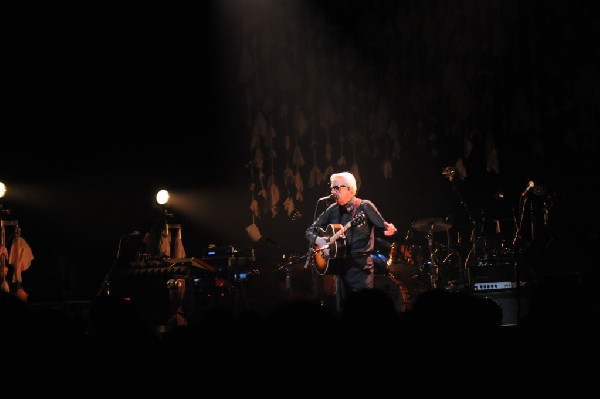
<point>162,197</point>
<point>2,189</point>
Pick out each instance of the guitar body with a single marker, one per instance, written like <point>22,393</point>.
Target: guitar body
<point>336,243</point>
<point>335,250</point>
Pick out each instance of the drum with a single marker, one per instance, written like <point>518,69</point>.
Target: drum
<point>392,254</point>
<point>404,254</point>
<point>403,270</point>
<point>492,247</point>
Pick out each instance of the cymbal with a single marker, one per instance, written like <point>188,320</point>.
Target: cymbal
<point>434,225</point>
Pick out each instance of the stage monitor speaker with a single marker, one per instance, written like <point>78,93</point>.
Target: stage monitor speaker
<point>513,307</point>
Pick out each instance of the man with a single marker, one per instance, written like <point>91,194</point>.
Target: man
<point>343,237</point>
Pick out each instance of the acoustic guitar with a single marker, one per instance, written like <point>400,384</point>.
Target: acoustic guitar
<point>336,243</point>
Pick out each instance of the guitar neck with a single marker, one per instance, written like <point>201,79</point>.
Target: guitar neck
<point>338,233</point>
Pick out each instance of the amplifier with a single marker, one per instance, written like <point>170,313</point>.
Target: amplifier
<point>492,274</point>
<point>497,285</point>
<point>215,252</point>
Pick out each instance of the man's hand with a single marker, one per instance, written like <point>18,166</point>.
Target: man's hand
<point>322,242</point>
<point>390,229</point>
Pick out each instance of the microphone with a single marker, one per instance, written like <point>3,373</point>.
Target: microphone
<point>132,234</point>
<point>330,196</point>
<point>529,186</point>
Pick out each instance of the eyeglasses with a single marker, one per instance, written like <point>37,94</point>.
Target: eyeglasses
<point>337,188</point>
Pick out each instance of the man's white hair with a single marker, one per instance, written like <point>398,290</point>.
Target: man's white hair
<point>348,179</point>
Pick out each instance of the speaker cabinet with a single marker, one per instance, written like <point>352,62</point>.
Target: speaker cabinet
<point>513,307</point>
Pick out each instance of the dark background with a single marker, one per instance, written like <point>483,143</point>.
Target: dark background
<point>104,107</point>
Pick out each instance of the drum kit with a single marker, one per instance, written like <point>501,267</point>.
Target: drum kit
<point>423,257</point>
<point>452,253</point>
<point>435,256</point>
<point>468,252</point>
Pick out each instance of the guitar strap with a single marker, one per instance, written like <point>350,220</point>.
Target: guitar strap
<point>356,204</point>
<point>351,209</point>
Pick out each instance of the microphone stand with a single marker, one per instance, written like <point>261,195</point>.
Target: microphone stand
<point>516,242</point>
<point>465,274</point>
<point>105,286</point>
<point>288,278</point>
<point>309,252</point>
<point>295,259</point>
<point>319,285</point>
<point>311,244</point>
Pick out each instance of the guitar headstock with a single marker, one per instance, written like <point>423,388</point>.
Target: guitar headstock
<point>359,219</point>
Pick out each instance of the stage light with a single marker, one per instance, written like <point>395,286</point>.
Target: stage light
<point>162,197</point>
<point>2,189</point>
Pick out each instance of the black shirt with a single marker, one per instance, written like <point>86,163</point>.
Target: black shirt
<point>357,218</point>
